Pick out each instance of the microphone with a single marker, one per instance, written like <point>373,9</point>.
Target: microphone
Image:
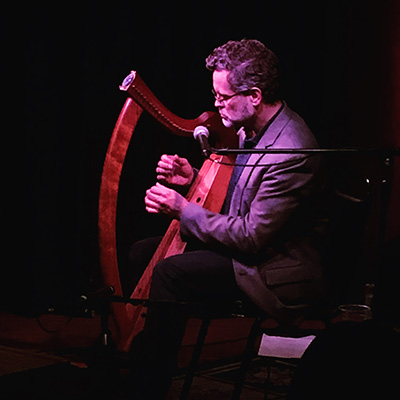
<point>201,134</point>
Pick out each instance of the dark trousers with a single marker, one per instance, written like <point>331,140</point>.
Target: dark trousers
<point>179,284</point>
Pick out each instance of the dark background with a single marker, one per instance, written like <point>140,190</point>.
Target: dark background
<point>336,59</point>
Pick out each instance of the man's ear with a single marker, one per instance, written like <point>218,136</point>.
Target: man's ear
<point>256,96</point>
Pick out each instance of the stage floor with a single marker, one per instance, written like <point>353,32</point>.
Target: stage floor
<point>54,357</point>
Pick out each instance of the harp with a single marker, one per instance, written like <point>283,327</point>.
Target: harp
<point>208,190</point>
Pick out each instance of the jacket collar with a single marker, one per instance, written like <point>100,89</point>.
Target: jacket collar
<point>268,139</point>
<point>273,131</point>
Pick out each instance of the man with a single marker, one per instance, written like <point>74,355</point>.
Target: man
<point>261,246</point>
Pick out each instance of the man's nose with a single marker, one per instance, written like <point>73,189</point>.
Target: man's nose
<point>218,103</point>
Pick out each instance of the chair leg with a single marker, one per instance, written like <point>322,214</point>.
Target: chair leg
<point>267,382</point>
<point>201,337</point>
<point>247,358</point>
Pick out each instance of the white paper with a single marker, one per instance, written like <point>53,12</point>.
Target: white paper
<point>284,347</point>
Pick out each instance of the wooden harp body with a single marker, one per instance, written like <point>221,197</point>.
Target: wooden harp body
<point>208,190</point>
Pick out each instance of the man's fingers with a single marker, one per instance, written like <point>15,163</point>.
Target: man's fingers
<point>157,192</point>
<point>165,166</point>
<point>181,161</point>
<point>152,205</point>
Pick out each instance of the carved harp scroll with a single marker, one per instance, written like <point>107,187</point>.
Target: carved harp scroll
<point>208,190</point>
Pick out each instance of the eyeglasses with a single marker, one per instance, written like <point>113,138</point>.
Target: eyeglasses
<point>225,97</point>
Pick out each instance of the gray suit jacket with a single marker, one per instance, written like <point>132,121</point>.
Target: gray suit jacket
<point>269,229</point>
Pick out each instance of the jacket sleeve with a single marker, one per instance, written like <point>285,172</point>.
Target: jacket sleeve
<point>265,207</point>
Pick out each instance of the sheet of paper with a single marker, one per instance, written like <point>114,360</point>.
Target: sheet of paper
<point>284,347</point>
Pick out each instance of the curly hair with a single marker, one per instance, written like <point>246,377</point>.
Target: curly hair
<point>251,64</point>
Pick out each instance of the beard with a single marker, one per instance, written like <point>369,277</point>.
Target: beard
<point>241,117</point>
<point>227,123</point>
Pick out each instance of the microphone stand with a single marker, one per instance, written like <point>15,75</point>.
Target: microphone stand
<point>379,152</point>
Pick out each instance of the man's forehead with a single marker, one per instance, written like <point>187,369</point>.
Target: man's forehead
<point>220,79</point>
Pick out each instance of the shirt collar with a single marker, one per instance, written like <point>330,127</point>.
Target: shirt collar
<point>250,143</point>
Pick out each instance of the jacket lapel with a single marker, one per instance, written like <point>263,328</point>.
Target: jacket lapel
<point>268,139</point>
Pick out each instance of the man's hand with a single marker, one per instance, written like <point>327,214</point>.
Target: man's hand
<point>174,170</point>
<point>162,200</point>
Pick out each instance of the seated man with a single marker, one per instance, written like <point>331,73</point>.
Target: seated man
<point>262,246</point>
